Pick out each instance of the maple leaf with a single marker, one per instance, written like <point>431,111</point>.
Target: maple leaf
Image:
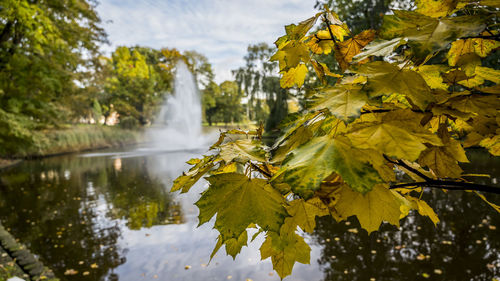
<point>303,213</point>
<point>345,51</point>
<point>187,180</point>
<point>285,249</point>
<point>481,47</point>
<point>291,54</point>
<point>379,48</point>
<point>492,144</point>
<point>294,76</point>
<point>423,208</point>
<point>239,202</point>
<point>386,79</point>
<point>344,101</point>
<point>296,32</point>
<point>427,35</point>
<point>321,70</point>
<point>378,205</point>
<point>243,151</point>
<point>233,245</point>
<point>432,75</point>
<point>397,133</point>
<point>436,8</point>
<point>309,164</point>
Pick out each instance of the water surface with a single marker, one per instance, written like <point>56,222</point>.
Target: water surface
<point>109,216</point>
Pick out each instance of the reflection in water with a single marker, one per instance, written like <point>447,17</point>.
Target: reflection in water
<point>109,216</point>
<point>465,245</point>
<point>71,210</point>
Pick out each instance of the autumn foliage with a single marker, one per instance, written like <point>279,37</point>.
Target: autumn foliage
<point>411,97</point>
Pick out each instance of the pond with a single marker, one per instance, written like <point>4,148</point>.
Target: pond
<point>110,216</point>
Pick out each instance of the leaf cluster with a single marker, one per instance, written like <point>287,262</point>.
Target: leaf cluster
<point>412,97</point>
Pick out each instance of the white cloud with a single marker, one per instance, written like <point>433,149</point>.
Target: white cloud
<point>219,29</point>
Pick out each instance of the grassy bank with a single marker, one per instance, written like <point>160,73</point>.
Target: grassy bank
<point>73,139</point>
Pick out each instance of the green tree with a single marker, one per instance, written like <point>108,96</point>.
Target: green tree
<point>258,80</point>
<point>45,46</point>
<point>412,97</point>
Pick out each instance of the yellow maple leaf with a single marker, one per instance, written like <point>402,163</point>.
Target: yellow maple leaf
<point>345,51</point>
<point>481,47</point>
<point>371,209</point>
<point>436,8</point>
<point>294,76</point>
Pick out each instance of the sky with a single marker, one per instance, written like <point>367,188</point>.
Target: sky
<point>219,29</point>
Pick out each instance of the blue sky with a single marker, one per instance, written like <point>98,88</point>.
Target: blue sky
<point>219,29</point>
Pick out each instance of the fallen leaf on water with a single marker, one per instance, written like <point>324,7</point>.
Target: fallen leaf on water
<point>425,275</point>
<point>421,257</point>
<point>70,272</point>
<point>492,227</point>
<point>438,271</point>
<point>155,276</point>
<point>229,277</point>
<point>187,267</point>
<point>80,262</point>
<point>94,265</point>
<point>85,273</point>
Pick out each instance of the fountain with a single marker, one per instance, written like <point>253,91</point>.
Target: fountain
<point>178,126</point>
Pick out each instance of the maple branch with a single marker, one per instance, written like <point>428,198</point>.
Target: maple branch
<point>329,28</point>
<point>260,170</point>
<point>407,167</point>
<point>450,185</point>
<point>482,37</point>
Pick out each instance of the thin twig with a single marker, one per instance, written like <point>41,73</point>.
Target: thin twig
<point>450,185</point>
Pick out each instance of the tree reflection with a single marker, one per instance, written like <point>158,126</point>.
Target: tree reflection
<point>70,210</point>
<point>463,246</point>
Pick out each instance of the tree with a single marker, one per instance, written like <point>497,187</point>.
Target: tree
<point>45,46</point>
<point>412,97</point>
<point>258,79</point>
<point>222,103</point>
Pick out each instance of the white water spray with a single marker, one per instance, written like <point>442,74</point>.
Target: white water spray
<point>178,126</point>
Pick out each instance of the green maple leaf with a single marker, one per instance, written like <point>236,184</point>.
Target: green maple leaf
<point>187,180</point>
<point>285,249</point>
<point>239,202</point>
<point>397,133</point>
<point>387,79</point>
<point>311,163</point>
<point>303,213</point>
<point>243,151</point>
<point>372,208</point>
<point>427,35</point>
<point>233,245</point>
<point>343,101</point>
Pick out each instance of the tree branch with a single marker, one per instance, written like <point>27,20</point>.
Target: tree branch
<point>450,185</point>
<point>329,28</point>
<point>494,37</point>
<point>407,167</point>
